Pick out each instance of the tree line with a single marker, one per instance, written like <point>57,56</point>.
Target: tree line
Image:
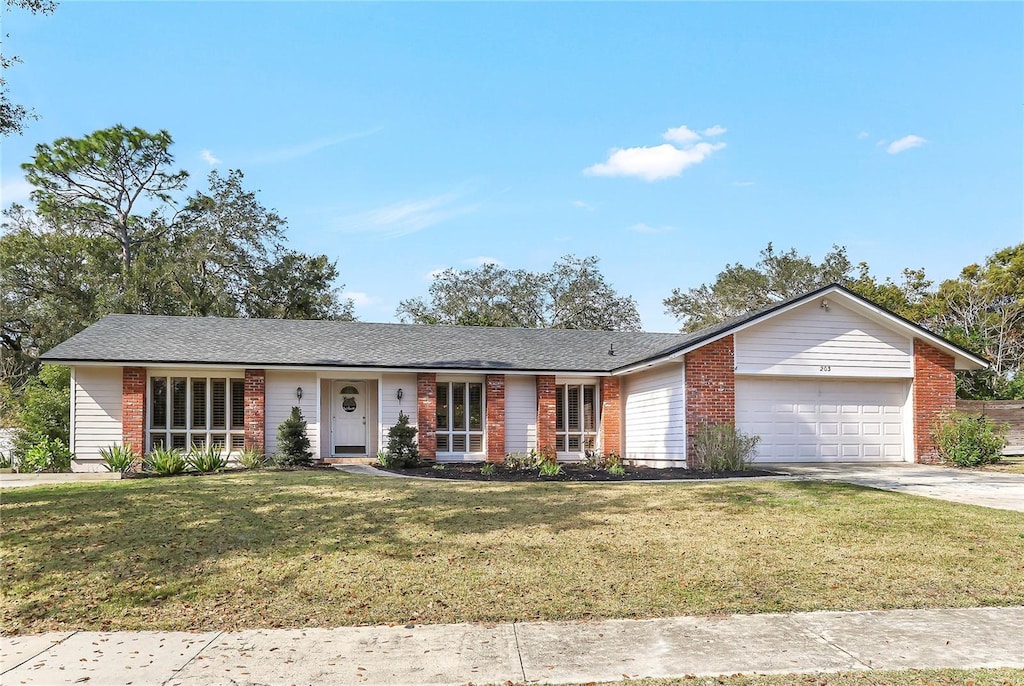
<point>115,227</point>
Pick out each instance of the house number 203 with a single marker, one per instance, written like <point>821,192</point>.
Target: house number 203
<point>825,368</point>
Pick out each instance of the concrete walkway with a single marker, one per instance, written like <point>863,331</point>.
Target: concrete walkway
<point>988,489</point>
<point>25,480</point>
<point>545,652</point>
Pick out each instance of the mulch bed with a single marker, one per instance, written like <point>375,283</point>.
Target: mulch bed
<point>570,472</point>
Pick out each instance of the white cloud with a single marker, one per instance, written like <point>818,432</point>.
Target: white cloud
<point>905,143</point>
<point>481,261</point>
<point>14,191</point>
<point>654,163</point>
<point>208,157</point>
<point>645,228</point>
<point>583,205</point>
<point>862,135</point>
<point>681,135</point>
<point>743,184</point>
<point>406,217</point>
<point>360,299</point>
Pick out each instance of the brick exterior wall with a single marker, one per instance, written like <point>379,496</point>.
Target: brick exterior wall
<point>611,416</point>
<point>255,409</point>
<point>710,387</point>
<point>934,394</point>
<point>133,408</point>
<point>495,385</point>
<point>426,415</point>
<point>546,413</point>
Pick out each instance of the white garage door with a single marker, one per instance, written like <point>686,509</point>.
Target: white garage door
<point>823,421</point>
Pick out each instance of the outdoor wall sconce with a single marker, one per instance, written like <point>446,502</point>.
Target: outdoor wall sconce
<point>298,393</point>
<point>824,304</point>
<point>399,395</point>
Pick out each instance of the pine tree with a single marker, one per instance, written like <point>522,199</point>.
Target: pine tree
<point>292,442</point>
<point>402,443</point>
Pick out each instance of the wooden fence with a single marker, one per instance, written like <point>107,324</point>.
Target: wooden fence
<point>1009,412</point>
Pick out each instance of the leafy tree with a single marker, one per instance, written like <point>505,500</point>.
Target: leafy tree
<point>42,413</point>
<point>983,311</point>
<point>13,115</point>
<point>572,295</point>
<point>293,442</point>
<point>739,289</point>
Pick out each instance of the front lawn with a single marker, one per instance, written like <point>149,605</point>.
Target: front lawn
<point>1009,465</point>
<point>285,549</point>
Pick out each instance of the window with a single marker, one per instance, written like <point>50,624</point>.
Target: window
<point>575,417</point>
<point>196,412</point>
<point>460,417</point>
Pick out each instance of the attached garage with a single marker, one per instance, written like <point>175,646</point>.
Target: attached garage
<point>810,420</point>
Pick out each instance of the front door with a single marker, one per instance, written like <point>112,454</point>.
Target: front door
<point>348,417</point>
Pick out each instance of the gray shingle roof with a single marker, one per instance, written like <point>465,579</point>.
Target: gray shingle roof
<point>275,342</point>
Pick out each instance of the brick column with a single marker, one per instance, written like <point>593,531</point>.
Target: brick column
<point>546,414</point>
<point>611,416</point>
<point>255,409</point>
<point>495,417</point>
<point>133,408</point>
<point>934,395</point>
<point>710,388</point>
<point>426,415</point>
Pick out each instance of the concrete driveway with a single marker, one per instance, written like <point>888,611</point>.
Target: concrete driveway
<point>988,489</point>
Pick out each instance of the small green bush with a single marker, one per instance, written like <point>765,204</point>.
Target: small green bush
<point>119,458</point>
<point>520,461</point>
<point>402,451</point>
<point>617,470</point>
<point>293,442</point>
<point>438,467</point>
<point>45,454</point>
<point>594,459</point>
<point>252,459</point>
<point>164,462</point>
<point>488,469</point>
<point>206,460</point>
<point>723,448</point>
<point>550,468</point>
<point>968,440</point>
<point>5,460</point>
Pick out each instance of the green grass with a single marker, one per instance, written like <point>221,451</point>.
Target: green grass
<point>1009,465</point>
<point>909,677</point>
<point>288,549</point>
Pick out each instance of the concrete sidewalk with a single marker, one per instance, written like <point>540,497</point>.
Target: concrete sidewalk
<point>546,652</point>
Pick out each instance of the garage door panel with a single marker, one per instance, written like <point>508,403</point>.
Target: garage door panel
<point>812,420</point>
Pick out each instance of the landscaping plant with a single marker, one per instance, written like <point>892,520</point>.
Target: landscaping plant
<point>252,459</point>
<point>723,448</point>
<point>164,462</point>
<point>119,458</point>
<point>402,452</point>
<point>45,455</point>
<point>293,442</point>
<point>206,460</point>
<point>969,441</point>
<point>488,469</point>
<point>595,459</point>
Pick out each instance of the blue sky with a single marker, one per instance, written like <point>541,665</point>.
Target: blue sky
<point>668,139</point>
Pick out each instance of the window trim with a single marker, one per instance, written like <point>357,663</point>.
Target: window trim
<point>467,432</point>
<point>562,395</point>
<point>229,432</point>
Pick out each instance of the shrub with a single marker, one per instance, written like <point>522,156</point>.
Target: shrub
<point>723,448</point>
<point>488,469</point>
<point>521,461</point>
<point>43,410</point>
<point>549,467</point>
<point>252,459</point>
<point>617,470</point>
<point>969,441</point>
<point>119,458</point>
<point>438,467</point>
<point>206,460</point>
<point>292,442</point>
<point>402,451</point>
<point>45,454</point>
<point>5,461</point>
<point>165,462</point>
<point>598,460</point>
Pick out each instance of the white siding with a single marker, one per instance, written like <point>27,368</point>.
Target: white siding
<point>520,413</point>
<point>391,406</point>
<point>812,341</point>
<point>97,415</point>
<point>280,399</point>
<point>655,419</point>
